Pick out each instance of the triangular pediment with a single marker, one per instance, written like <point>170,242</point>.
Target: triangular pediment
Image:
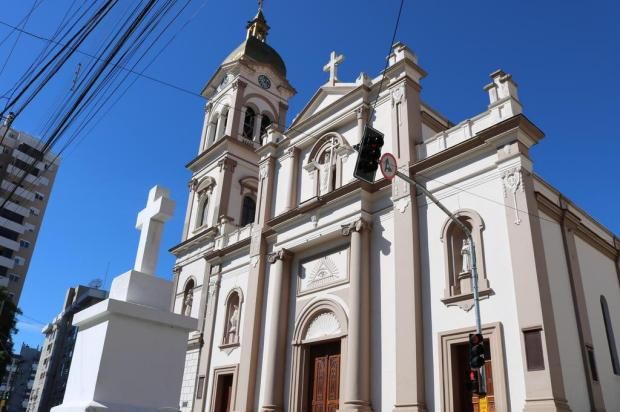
<point>324,97</point>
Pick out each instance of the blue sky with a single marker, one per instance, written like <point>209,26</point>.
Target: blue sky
<point>565,56</point>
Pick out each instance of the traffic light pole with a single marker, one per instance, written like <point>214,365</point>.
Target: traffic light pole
<point>472,254</point>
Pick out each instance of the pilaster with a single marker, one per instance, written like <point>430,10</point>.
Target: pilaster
<point>191,185</point>
<point>176,272</point>
<point>356,394</point>
<point>213,278</point>
<point>544,389</point>
<point>275,344</point>
<point>409,340</point>
<point>250,338</point>
<point>568,226</point>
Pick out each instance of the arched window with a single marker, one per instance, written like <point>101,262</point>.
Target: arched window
<point>248,211</point>
<point>212,130</point>
<point>222,125</point>
<point>325,162</point>
<point>203,211</point>
<point>611,339</point>
<point>458,260</point>
<point>233,315</point>
<point>264,124</point>
<point>188,298</point>
<point>248,123</point>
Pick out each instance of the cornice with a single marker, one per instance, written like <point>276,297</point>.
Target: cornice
<point>516,122</point>
<point>228,249</point>
<point>562,214</point>
<point>210,233</point>
<point>222,145</point>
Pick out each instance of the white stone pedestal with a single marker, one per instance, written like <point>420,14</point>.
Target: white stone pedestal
<point>130,350</point>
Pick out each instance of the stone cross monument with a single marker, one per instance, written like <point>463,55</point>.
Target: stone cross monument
<point>150,223</point>
<point>130,348</point>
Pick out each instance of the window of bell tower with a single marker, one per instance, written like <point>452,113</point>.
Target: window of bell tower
<point>264,124</point>
<point>248,123</point>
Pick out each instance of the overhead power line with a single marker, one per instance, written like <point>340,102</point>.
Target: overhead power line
<point>141,74</point>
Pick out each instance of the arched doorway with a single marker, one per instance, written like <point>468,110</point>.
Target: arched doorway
<point>319,353</point>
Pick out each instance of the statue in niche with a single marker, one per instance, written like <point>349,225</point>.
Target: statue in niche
<point>188,300</point>
<point>326,170</point>
<point>466,259</point>
<point>233,324</point>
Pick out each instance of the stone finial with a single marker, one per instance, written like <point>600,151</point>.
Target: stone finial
<point>150,222</point>
<point>501,87</point>
<point>503,96</point>
<point>399,52</point>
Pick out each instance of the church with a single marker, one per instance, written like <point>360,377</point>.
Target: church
<point>316,292</point>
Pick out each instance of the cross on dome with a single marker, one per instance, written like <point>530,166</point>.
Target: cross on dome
<point>332,67</point>
<point>150,223</point>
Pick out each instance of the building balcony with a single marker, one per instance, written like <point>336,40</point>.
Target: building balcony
<point>20,192</point>
<point>19,173</point>
<point>14,226</point>
<point>7,263</point>
<point>14,207</point>
<point>9,244</point>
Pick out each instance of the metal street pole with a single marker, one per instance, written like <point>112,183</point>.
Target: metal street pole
<point>472,253</point>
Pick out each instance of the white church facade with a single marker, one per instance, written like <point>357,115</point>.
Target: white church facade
<point>316,292</point>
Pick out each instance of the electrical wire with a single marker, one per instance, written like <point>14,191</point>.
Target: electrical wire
<point>387,61</point>
<point>92,85</point>
<point>19,34</point>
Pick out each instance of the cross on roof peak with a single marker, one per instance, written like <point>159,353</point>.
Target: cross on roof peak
<point>332,67</point>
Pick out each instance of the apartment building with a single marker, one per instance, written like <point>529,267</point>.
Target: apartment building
<point>51,376</point>
<point>18,381</point>
<point>22,164</point>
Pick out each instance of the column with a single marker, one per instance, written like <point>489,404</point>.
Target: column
<point>293,173</point>
<point>356,392</point>
<point>235,114</point>
<point>275,344</point>
<point>205,128</point>
<point>208,333</point>
<point>227,167</point>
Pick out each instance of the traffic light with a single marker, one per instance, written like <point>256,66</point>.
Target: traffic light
<point>369,154</point>
<point>476,350</point>
<point>473,381</point>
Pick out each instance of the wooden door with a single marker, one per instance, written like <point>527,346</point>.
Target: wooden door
<point>326,383</point>
<point>223,394</point>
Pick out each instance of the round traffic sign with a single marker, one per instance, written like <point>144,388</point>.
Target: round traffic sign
<point>388,166</point>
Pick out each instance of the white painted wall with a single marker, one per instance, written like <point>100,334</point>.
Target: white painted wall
<point>564,315</point>
<point>485,196</point>
<point>600,278</point>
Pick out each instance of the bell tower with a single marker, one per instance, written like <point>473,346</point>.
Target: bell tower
<point>247,95</point>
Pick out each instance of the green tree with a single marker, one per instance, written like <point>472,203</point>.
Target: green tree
<point>8,320</point>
